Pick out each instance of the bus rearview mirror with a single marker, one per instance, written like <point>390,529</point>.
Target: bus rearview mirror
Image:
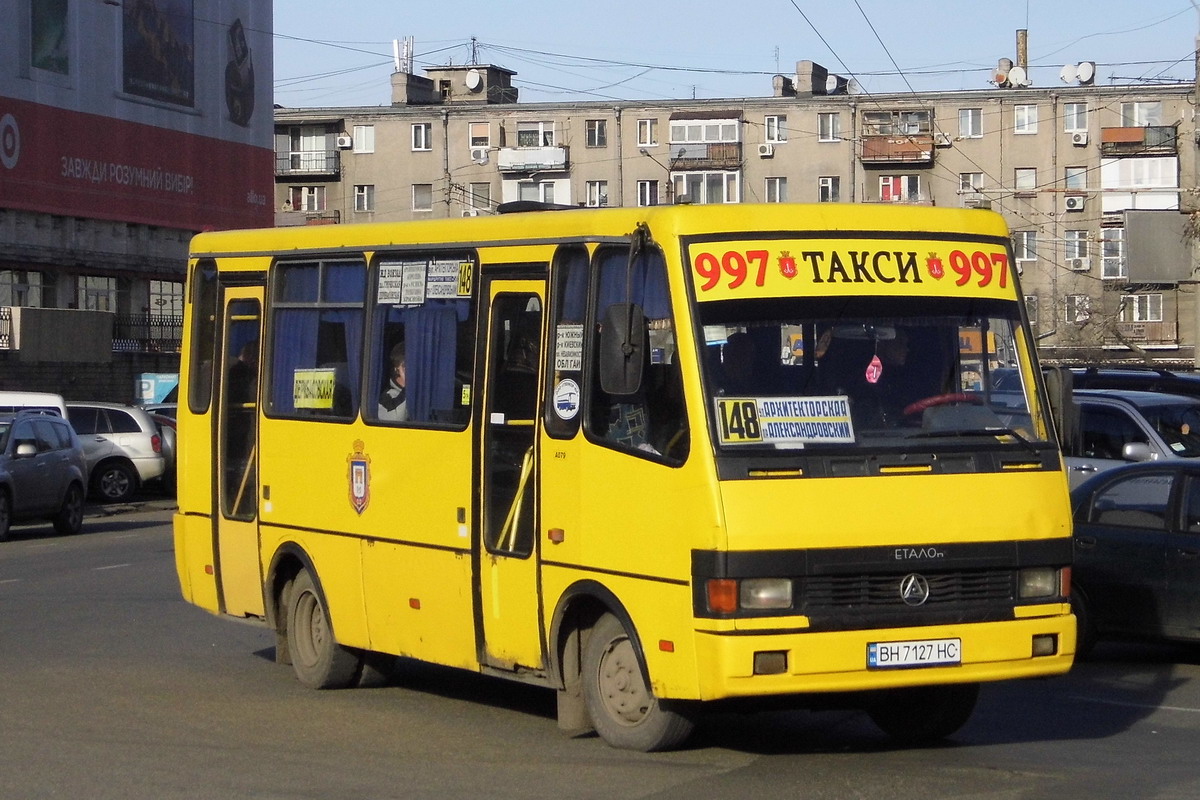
<point>622,349</point>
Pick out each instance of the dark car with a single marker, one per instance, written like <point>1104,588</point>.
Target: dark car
<point>1137,553</point>
<point>1143,379</point>
<point>42,471</point>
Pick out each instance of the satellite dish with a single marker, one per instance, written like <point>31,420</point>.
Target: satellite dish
<point>1069,73</point>
<point>473,80</point>
<point>1017,77</point>
<point>853,87</point>
<point>831,84</point>
<point>1086,71</point>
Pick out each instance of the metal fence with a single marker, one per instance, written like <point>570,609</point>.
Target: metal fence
<point>146,333</point>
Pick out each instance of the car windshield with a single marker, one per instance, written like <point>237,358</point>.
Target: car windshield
<point>1179,426</point>
<point>875,372</point>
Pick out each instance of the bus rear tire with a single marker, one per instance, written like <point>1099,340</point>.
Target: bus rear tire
<point>318,660</point>
<point>623,709</point>
<point>923,714</point>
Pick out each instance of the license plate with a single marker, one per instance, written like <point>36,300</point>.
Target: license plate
<point>924,653</point>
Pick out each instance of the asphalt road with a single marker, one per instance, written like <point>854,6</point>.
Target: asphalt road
<point>112,687</point>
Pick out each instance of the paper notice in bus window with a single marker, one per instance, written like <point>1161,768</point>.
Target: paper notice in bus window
<point>391,279</point>
<point>441,283</point>
<point>568,347</point>
<point>784,421</point>
<point>412,289</point>
<point>313,388</point>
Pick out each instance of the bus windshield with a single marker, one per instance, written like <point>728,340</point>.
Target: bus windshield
<point>847,372</point>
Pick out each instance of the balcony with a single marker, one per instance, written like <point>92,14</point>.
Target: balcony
<point>1151,140</point>
<point>303,163</point>
<point>291,219</point>
<point>146,333</point>
<point>532,159</point>
<point>914,149</point>
<point>1147,334</point>
<point>711,155</point>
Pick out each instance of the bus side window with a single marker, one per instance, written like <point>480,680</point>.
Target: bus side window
<point>566,341</point>
<point>421,359</point>
<point>653,420</point>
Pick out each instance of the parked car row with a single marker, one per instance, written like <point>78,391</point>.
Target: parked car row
<point>53,453</point>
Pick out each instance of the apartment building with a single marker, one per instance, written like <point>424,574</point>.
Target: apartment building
<point>1064,164</point>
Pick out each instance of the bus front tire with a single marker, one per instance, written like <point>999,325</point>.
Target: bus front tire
<point>318,660</point>
<point>623,709</point>
<point>923,714</point>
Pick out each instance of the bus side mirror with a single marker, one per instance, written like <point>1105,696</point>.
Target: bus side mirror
<point>622,349</point>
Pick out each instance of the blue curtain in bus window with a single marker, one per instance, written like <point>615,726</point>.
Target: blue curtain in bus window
<point>431,350</point>
<point>308,338</point>
<point>574,292</point>
<point>648,284</point>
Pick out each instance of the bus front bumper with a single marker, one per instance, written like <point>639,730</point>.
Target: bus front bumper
<point>737,663</point>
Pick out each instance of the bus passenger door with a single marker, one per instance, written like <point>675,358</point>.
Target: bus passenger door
<point>509,591</point>
<point>239,576</point>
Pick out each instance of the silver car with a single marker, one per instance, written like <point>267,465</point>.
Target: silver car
<point>1118,426</point>
<point>121,445</point>
<point>42,471</point>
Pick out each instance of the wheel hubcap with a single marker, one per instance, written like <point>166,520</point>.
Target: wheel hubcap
<point>621,686</point>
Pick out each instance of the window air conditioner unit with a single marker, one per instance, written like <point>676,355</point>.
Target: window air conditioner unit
<point>1079,138</point>
<point>1079,264</point>
<point>479,155</point>
<point>345,142</point>
<point>766,150</point>
<point>470,212</point>
<point>976,201</point>
<point>943,139</point>
<point>1075,203</point>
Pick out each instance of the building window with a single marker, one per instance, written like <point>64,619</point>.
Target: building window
<point>1025,179</point>
<point>776,191</point>
<point>1031,308</point>
<point>1076,244</point>
<point>20,287</point>
<point>480,196</point>
<point>1025,245</point>
<point>364,138</point>
<point>1112,254</point>
<point>647,132</point>
<point>1074,117</point>
<point>535,134</point>
<point>538,191</point>
<point>704,131</point>
<point>1025,119</point>
<point>829,127</point>
<point>597,133</point>
<point>775,128</point>
<point>1075,178</point>
<point>364,197</point>
<point>1141,308</point>
<point>307,198</point>
<point>1141,114</point>
<point>597,194</point>
<point>422,197</point>
<point>647,193</point>
<point>703,188</point>
<point>1078,308</point>
<point>422,136</point>
<point>899,188</point>
<point>480,134</point>
<point>97,293</point>
<point>970,123</point>
<point>166,298</point>
<point>970,181</point>
<point>829,189</point>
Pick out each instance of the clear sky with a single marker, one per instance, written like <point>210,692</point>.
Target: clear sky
<point>334,54</point>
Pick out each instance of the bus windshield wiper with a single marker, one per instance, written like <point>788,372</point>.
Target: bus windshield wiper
<point>986,431</point>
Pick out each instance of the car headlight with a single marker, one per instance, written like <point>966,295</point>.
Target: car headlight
<point>759,593</point>
<point>1038,582</point>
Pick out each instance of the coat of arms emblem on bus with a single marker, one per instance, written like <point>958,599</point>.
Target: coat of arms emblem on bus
<point>358,476</point>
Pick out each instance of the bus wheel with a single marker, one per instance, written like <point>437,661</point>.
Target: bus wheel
<point>623,710</point>
<point>319,661</point>
<point>923,714</point>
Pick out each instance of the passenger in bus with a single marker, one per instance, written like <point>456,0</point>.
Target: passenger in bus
<point>393,405</point>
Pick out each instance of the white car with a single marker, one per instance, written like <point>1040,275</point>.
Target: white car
<point>121,445</point>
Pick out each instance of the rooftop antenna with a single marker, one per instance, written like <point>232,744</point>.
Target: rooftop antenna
<point>474,50</point>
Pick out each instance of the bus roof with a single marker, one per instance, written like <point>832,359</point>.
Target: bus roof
<point>591,223</point>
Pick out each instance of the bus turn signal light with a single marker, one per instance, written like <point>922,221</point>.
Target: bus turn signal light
<point>722,595</point>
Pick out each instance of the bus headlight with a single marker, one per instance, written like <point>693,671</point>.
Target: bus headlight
<point>1038,582</point>
<point>759,593</point>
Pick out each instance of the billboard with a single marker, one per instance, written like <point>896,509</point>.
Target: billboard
<point>150,111</point>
